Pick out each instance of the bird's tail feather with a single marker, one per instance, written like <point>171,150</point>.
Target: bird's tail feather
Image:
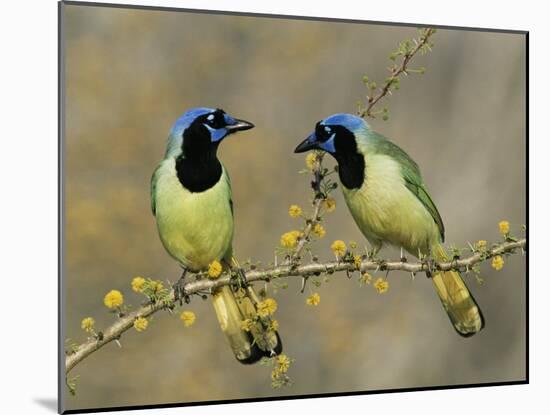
<point>458,302</point>
<point>232,308</point>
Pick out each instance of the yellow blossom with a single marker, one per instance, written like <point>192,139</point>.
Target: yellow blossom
<point>156,285</point>
<point>314,299</point>
<point>352,244</point>
<point>310,160</point>
<point>273,325</point>
<point>381,285</point>
<point>318,230</point>
<point>214,269</point>
<point>289,239</point>
<point>188,318</point>
<point>330,204</point>
<point>366,278</point>
<point>339,248</point>
<point>294,211</point>
<point>88,324</point>
<point>140,323</point>
<point>481,244</point>
<point>275,374</point>
<point>137,284</point>
<point>357,260</point>
<point>283,363</point>
<point>267,307</point>
<point>497,263</point>
<point>504,227</point>
<point>113,299</point>
<point>246,324</point>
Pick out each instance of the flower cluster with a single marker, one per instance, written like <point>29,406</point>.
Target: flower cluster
<point>381,285</point>
<point>290,239</point>
<point>140,324</point>
<point>266,307</point>
<point>314,299</point>
<point>339,248</point>
<point>188,318</point>
<point>113,299</point>
<point>497,263</point>
<point>88,324</point>
<point>214,269</point>
<point>294,211</point>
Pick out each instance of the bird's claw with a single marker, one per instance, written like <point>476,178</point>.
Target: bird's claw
<point>179,289</point>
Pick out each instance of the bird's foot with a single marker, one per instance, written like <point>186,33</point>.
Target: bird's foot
<point>429,263</point>
<point>179,289</point>
<point>403,257</point>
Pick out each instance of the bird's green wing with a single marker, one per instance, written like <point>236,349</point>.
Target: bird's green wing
<point>228,179</point>
<point>154,179</point>
<point>413,179</point>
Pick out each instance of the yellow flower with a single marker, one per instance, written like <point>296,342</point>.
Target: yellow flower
<point>140,323</point>
<point>88,324</point>
<point>283,363</point>
<point>214,269</point>
<point>314,299</point>
<point>267,307</point>
<point>113,299</point>
<point>357,261</point>
<point>188,318</point>
<point>339,248</point>
<point>246,324</point>
<point>481,244</point>
<point>504,227</point>
<point>273,325</point>
<point>310,160</point>
<point>289,239</point>
<point>319,230</point>
<point>497,263</point>
<point>381,285</point>
<point>330,204</point>
<point>366,278</point>
<point>137,284</point>
<point>352,244</point>
<point>275,374</point>
<point>294,211</point>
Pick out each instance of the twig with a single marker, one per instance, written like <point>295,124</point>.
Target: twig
<point>123,324</point>
<point>395,72</point>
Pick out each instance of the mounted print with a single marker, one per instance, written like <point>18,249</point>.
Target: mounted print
<point>258,207</point>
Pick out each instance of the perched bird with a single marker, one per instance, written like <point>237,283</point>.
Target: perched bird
<point>390,204</point>
<point>191,201</point>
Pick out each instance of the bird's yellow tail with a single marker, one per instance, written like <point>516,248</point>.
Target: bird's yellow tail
<point>457,300</point>
<point>232,308</point>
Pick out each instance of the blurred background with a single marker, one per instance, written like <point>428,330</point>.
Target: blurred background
<point>131,73</point>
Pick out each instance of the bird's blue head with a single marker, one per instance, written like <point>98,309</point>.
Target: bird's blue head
<point>334,134</point>
<point>203,127</point>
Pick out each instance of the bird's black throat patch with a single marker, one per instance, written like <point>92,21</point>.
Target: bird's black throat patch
<point>351,164</point>
<point>200,168</point>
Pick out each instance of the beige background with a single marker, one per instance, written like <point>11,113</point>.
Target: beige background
<point>130,74</point>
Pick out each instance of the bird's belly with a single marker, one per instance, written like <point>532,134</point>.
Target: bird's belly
<point>391,214</point>
<point>195,228</point>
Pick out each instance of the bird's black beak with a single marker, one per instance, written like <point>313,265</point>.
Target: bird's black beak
<point>240,125</point>
<point>309,143</point>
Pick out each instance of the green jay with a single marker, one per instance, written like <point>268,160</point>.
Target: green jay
<point>390,204</point>
<point>191,201</point>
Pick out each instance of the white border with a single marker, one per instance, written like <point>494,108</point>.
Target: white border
<point>28,165</point>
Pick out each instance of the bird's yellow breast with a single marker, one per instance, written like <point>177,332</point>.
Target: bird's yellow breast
<point>195,228</point>
<point>387,212</point>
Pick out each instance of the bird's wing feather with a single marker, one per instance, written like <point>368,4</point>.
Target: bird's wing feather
<point>228,179</point>
<point>413,179</point>
<point>154,179</point>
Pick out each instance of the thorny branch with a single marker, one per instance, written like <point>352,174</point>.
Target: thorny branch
<point>125,323</point>
<point>407,52</point>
